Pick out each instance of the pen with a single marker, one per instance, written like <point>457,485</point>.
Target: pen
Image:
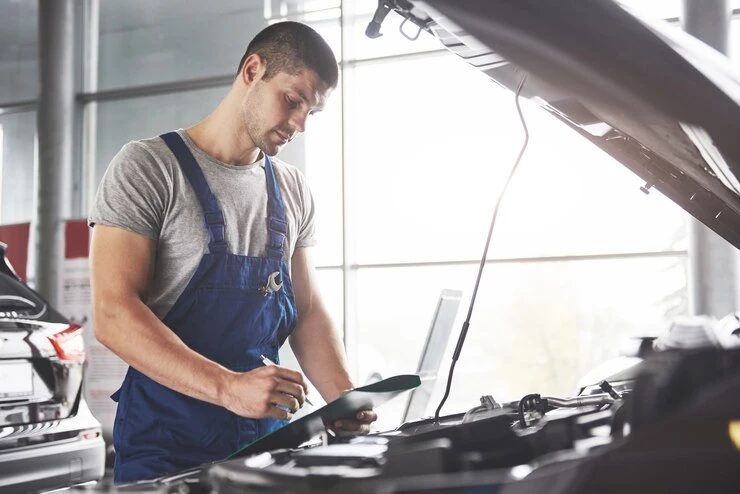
<point>267,361</point>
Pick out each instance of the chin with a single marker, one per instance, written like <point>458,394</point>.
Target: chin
<point>272,149</point>
<point>269,148</point>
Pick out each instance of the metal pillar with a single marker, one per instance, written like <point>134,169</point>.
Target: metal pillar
<point>713,263</point>
<point>55,180</point>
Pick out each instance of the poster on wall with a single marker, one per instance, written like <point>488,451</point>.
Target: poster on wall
<point>15,237</point>
<point>105,370</point>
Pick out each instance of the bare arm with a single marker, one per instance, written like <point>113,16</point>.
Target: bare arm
<point>121,268</point>
<point>316,344</point>
<point>315,341</point>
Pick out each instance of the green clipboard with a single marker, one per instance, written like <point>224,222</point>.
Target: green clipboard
<point>303,429</point>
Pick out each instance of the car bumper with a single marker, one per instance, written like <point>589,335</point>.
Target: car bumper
<point>52,466</point>
<point>56,464</point>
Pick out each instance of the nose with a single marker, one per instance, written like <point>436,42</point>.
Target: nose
<point>298,121</point>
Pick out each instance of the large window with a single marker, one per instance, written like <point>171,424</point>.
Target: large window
<point>663,9</point>
<point>322,163</point>
<point>120,121</point>
<point>18,50</point>
<point>18,88</point>
<point>734,51</point>
<point>17,159</point>
<point>580,257</point>
<point>142,42</point>
<point>406,164</point>
<point>537,326</point>
<point>428,157</point>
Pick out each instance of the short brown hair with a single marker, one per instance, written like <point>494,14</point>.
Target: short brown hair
<point>291,47</point>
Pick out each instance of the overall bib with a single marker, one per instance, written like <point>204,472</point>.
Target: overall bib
<point>228,313</point>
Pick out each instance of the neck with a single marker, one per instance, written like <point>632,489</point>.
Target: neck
<point>223,135</point>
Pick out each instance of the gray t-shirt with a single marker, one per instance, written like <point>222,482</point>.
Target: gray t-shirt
<point>145,191</point>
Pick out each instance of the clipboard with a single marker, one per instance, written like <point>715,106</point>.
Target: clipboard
<point>303,429</point>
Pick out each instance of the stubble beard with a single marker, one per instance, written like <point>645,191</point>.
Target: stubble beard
<point>257,135</point>
<point>256,131</point>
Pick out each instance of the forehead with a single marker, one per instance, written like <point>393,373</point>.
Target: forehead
<point>306,83</point>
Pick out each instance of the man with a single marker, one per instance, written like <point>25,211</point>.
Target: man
<point>200,265</point>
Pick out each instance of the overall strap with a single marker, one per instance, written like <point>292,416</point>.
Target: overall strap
<point>212,214</point>
<point>277,222</point>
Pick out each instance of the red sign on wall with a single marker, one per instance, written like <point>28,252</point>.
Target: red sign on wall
<point>76,239</point>
<point>76,243</point>
<point>16,238</point>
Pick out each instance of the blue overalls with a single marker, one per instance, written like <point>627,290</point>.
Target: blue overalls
<point>226,315</point>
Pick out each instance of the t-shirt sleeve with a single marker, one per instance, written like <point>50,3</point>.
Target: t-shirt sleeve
<point>307,225</point>
<point>133,194</point>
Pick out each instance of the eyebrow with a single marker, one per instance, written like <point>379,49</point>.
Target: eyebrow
<point>305,100</point>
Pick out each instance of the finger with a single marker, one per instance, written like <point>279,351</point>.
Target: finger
<point>288,374</point>
<point>285,400</point>
<point>291,389</point>
<point>350,427</point>
<point>280,413</point>
<point>339,431</point>
<point>367,416</point>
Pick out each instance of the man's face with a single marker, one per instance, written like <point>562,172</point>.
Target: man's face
<point>276,110</point>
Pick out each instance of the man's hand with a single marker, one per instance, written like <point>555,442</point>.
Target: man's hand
<point>271,391</point>
<point>360,424</point>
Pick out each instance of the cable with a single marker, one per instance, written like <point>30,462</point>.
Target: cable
<point>541,404</point>
<point>529,403</point>
<point>466,324</point>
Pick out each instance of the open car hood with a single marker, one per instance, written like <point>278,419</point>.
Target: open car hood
<point>656,99</point>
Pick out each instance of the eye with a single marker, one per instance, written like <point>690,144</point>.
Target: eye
<point>291,102</point>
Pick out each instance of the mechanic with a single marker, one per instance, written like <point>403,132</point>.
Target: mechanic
<point>200,265</point>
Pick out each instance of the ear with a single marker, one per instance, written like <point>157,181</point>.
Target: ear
<point>252,69</point>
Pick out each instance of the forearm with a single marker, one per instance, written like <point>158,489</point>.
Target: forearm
<point>132,331</point>
<point>319,350</point>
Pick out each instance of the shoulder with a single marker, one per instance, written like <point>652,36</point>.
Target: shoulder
<point>150,158</point>
<point>151,149</point>
<point>136,190</point>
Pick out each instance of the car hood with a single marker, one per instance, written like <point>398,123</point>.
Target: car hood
<point>661,102</point>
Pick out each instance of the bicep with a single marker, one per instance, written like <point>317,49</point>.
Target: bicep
<point>121,263</point>
<point>305,286</point>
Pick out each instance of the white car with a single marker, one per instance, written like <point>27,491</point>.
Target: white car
<point>49,439</point>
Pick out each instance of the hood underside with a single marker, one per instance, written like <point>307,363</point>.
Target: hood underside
<point>662,103</point>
